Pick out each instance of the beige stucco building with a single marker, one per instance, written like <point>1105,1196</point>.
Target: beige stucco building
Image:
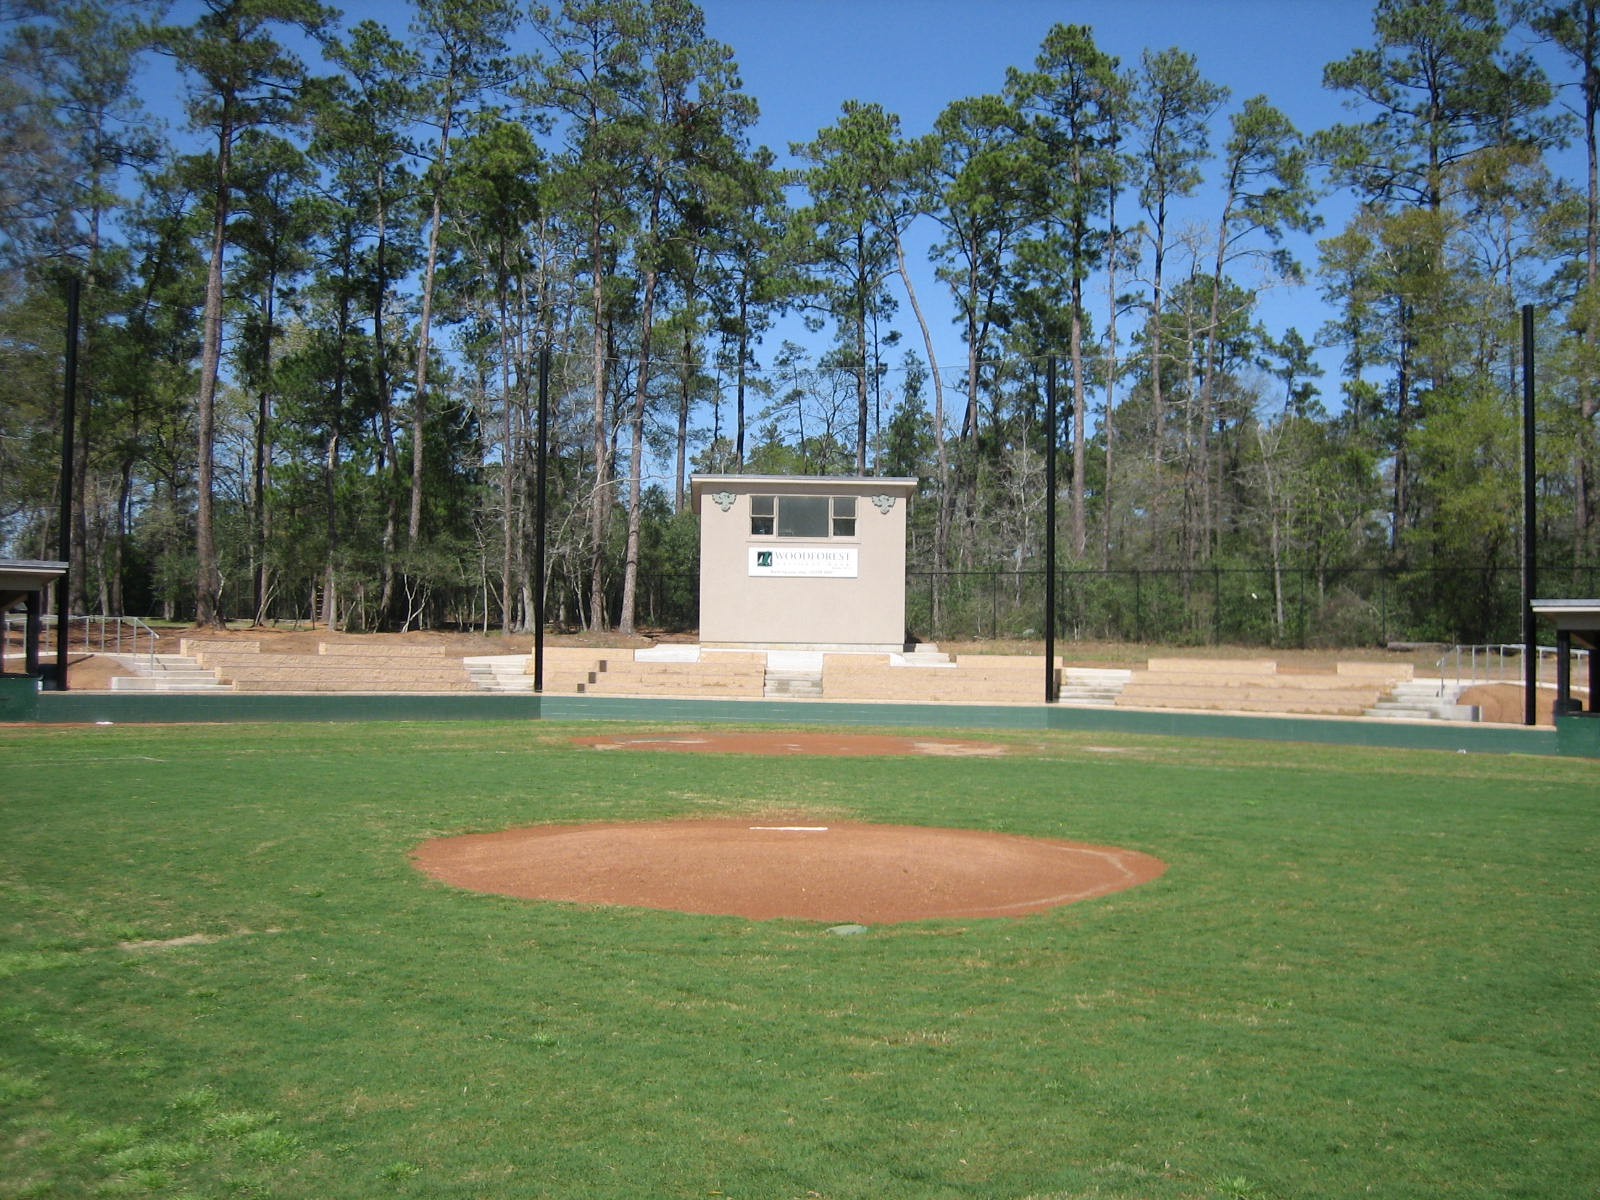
<point>812,562</point>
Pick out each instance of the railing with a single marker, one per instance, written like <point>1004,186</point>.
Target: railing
<point>92,634</point>
<point>1495,662</point>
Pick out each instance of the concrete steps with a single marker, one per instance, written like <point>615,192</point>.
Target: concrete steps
<point>793,685</point>
<point>1424,700</point>
<point>1092,687</point>
<point>925,655</point>
<point>792,675</point>
<point>796,681</point>
<point>166,673</point>
<point>508,674</point>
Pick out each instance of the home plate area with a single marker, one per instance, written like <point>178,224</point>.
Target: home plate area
<point>787,866</point>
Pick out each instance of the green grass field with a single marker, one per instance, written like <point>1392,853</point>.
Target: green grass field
<point>1366,973</point>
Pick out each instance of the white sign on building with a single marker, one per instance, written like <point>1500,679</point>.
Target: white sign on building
<point>804,562</point>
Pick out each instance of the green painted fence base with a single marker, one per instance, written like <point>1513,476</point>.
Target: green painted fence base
<point>1449,736</point>
<point>1578,737</point>
<point>19,698</point>
<point>119,708</point>
<point>794,712</point>
<point>1575,737</point>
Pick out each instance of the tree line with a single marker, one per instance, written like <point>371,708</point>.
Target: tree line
<point>313,318</point>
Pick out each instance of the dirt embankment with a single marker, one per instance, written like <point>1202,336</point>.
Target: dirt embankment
<point>85,672</point>
<point>1502,702</point>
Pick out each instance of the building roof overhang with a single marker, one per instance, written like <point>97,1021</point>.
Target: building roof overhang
<point>20,577</point>
<point>1580,618</point>
<point>701,486</point>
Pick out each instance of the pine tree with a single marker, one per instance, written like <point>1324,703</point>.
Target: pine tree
<point>242,78</point>
<point>1075,95</point>
<point>1442,89</point>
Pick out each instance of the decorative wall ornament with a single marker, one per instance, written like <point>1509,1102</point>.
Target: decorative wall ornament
<point>883,504</point>
<point>723,500</point>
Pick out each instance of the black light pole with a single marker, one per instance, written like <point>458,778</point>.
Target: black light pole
<point>1050,531</point>
<point>538,521</point>
<point>69,428</point>
<point>1530,633</point>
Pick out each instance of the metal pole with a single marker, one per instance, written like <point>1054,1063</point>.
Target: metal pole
<point>69,427</point>
<point>1563,704</point>
<point>1530,633</point>
<point>1050,531</point>
<point>538,520</point>
<point>1383,606</point>
<point>30,633</point>
<point>1304,620</point>
<point>1216,606</point>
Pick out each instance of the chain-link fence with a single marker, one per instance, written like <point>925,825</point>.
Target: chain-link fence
<point>1367,606</point>
<point>1207,606</point>
<point>1241,606</point>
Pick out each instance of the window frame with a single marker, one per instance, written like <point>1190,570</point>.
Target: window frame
<point>763,514</point>
<point>839,523</point>
<point>842,513</point>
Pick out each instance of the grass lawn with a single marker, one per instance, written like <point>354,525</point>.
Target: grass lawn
<point>1365,973</point>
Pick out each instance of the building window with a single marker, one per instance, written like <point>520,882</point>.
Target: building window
<point>844,516</point>
<point>803,516</point>
<point>819,517</point>
<point>761,509</point>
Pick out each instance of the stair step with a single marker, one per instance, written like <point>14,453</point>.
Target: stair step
<point>163,673</point>
<point>793,683</point>
<point>146,683</point>
<point>504,674</point>
<point>1092,687</point>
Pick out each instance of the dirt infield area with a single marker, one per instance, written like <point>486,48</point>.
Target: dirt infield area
<point>787,866</point>
<point>833,745</point>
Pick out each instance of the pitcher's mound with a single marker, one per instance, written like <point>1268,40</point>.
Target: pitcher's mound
<point>799,868</point>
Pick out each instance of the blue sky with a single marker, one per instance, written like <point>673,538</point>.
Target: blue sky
<point>801,59</point>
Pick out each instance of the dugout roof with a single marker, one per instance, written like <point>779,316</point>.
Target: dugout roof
<point>22,577</point>
<point>1578,618</point>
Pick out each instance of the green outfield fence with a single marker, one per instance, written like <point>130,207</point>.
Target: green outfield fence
<point>1575,737</point>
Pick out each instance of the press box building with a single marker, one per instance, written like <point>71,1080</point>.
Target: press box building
<point>802,562</point>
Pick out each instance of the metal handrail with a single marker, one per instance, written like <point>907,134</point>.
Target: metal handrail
<point>101,634</point>
<point>1488,663</point>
